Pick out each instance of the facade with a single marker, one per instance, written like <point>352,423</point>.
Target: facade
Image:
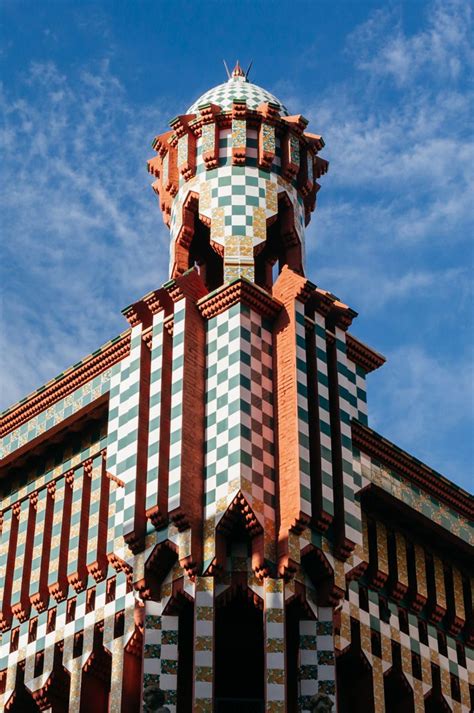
<point>200,507</point>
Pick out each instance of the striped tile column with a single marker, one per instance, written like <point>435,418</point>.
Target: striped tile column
<point>152,643</point>
<point>157,465</point>
<point>20,603</point>
<point>203,648</point>
<point>347,410</point>
<point>7,553</point>
<point>326,656</point>
<point>38,593</point>
<point>308,664</point>
<point>169,660</point>
<point>96,560</point>
<point>324,415</point>
<point>176,425</point>
<point>361,394</point>
<point>302,410</point>
<point>78,534</point>
<point>57,578</point>
<point>274,632</point>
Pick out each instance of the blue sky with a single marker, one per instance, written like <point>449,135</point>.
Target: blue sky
<point>86,86</point>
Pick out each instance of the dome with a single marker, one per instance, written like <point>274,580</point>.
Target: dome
<point>237,87</point>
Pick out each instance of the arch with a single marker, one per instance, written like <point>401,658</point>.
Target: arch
<point>282,245</point>
<point>397,692</point>
<point>435,703</point>
<point>96,678</point>
<point>239,653</point>
<point>193,246</point>
<point>355,688</point>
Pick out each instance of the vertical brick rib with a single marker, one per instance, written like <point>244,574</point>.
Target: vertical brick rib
<point>289,288</point>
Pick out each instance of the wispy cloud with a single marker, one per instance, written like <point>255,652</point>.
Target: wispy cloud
<point>78,218</point>
<point>417,403</point>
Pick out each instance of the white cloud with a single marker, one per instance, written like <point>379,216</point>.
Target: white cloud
<point>82,234</point>
<point>417,404</point>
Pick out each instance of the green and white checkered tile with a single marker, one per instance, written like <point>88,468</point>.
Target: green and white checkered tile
<point>238,200</point>
<point>122,441</point>
<point>26,512</point>
<point>324,414</point>
<point>56,413</point>
<point>239,421</point>
<point>274,632</point>
<point>58,524</point>
<point>347,407</point>
<point>204,606</point>
<point>303,415</point>
<point>236,88</point>
<point>325,653</point>
<point>176,421</point>
<point>99,490</point>
<point>7,526</point>
<point>66,457</point>
<point>308,663</point>
<point>44,501</point>
<point>156,371</point>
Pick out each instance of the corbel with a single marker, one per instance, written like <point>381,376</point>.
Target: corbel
<point>210,135</point>
<point>186,145</point>
<point>239,132</point>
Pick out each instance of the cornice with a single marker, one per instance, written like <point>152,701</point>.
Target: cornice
<point>240,290</point>
<point>64,384</point>
<point>433,483</point>
<point>362,355</point>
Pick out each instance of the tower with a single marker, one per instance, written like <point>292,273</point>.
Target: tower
<point>198,512</point>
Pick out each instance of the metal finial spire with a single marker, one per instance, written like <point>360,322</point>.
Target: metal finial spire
<point>226,69</point>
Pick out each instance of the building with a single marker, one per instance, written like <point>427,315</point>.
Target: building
<point>200,505</point>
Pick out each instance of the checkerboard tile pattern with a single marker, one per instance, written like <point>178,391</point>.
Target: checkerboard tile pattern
<point>324,414</point>
<point>308,661</point>
<point>274,623</point>
<point>26,518</point>
<point>55,414</point>
<point>156,371</point>
<point>325,653</point>
<point>123,435</point>
<point>176,426</point>
<point>347,407</point>
<point>238,201</point>
<point>203,650</point>
<point>236,88</point>
<point>239,421</point>
<point>374,472</point>
<point>410,643</point>
<point>303,415</point>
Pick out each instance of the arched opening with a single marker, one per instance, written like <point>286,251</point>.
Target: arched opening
<point>354,677</point>
<point>202,255</point>
<point>23,701</point>
<point>282,246</point>
<point>194,247</point>
<point>398,693</point>
<point>435,703</point>
<point>239,655</point>
<point>182,607</point>
<point>96,678</point>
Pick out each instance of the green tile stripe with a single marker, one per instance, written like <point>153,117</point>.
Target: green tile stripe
<point>352,512</point>
<point>176,424</point>
<point>156,371</point>
<point>324,414</point>
<point>302,405</point>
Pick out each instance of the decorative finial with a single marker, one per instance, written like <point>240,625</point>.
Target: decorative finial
<point>238,71</point>
<point>226,69</point>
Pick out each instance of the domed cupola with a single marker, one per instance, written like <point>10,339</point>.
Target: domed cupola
<point>236,179</point>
